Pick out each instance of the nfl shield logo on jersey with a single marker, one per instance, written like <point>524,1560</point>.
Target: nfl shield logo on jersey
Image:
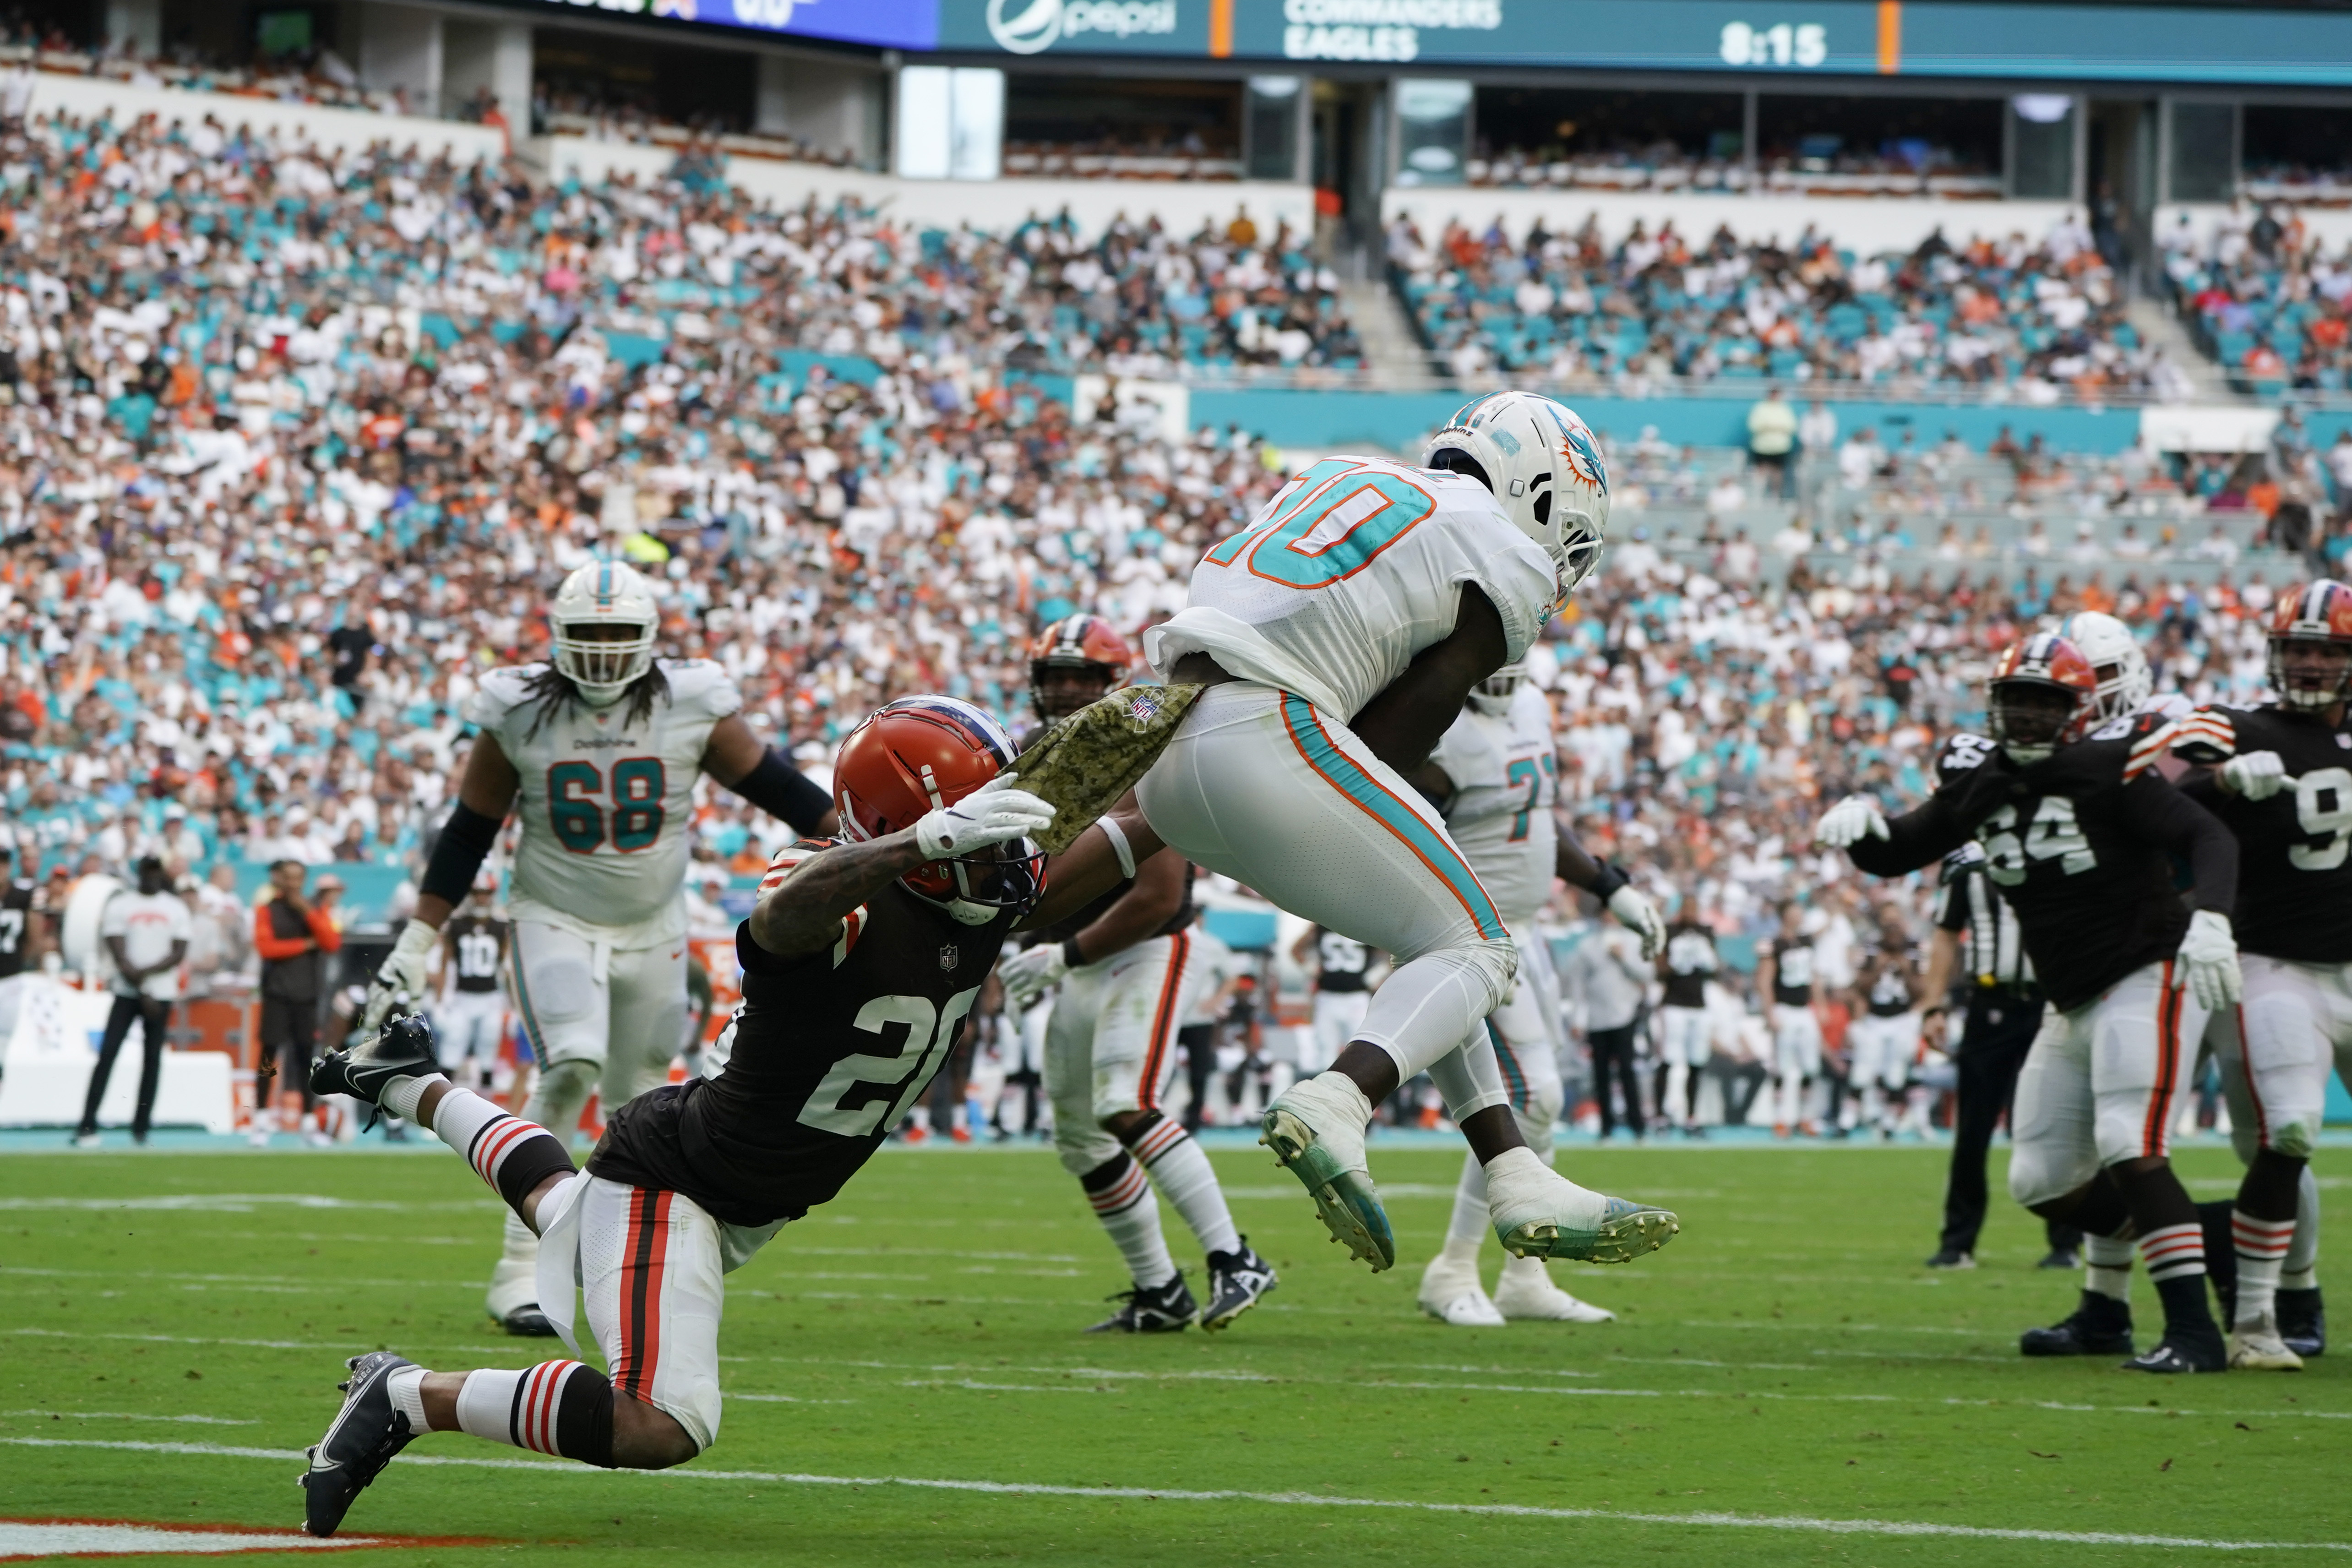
<point>949,956</point>
<point>1143,707</point>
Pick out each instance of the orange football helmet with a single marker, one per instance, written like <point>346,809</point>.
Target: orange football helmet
<point>2314,617</point>
<point>2043,695</point>
<point>1081,643</point>
<point>919,753</point>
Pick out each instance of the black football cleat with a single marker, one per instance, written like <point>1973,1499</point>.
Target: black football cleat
<point>2062,1258</point>
<point>527,1322</point>
<point>367,1432</point>
<point>2100,1325</point>
<point>1163,1309</point>
<point>2184,1349</point>
<point>2302,1323</point>
<point>403,1049</point>
<point>1236,1281</point>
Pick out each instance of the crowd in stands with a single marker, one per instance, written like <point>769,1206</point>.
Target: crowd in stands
<point>1188,157</point>
<point>1817,166</point>
<point>2040,318</point>
<point>2264,298</point>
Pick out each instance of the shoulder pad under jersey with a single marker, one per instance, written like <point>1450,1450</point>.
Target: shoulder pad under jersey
<point>500,692</point>
<point>701,687</point>
<point>2208,735</point>
<point>1963,753</point>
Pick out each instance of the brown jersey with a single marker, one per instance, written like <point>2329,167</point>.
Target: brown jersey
<point>2294,875</point>
<point>823,1059</point>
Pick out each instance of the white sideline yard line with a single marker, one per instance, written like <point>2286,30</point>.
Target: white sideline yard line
<point>245,1203</point>
<point>1793,1523</point>
<point>132,1415</point>
<point>347,1345</point>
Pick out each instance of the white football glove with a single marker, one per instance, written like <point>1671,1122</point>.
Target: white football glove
<point>2254,775</point>
<point>1638,915</point>
<point>993,814</point>
<point>2209,954</point>
<point>1031,972</point>
<point>1849,822</point>
<point>400,977</point>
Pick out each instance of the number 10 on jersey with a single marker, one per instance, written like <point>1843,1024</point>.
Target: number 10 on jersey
<point>578,818</point>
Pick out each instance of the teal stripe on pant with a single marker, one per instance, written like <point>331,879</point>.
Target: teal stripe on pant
<point>1324,755</point>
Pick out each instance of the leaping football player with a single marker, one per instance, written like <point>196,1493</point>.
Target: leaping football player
<point>861,964</point>
<point>597,752</point>
<point>1338,635</point>
<point>1495,777</point>
<point>2078,829</point>
<point>1125,976</point>
<point>2282,781</point>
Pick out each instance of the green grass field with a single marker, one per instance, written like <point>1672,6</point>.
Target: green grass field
<point>1786,1385</point>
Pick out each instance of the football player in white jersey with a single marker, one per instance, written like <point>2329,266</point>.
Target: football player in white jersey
<point>597,754</point>
<point>2127,684</point>
<point>1339,635</point>
<point>1495,776</point>
<point>1124,975</point>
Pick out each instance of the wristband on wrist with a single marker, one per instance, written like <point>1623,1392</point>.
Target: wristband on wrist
<point>1070,954</point>
<point>1604,887</point>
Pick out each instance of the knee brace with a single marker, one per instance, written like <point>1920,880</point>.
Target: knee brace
<point>2040,1174</point>
<point>1082,1145</point>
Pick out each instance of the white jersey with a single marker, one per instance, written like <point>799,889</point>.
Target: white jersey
<point>1353,567</point>
<point>1505,782</point>
<point>604,803</point>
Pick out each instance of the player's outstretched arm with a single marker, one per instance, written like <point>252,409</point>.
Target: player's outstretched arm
<point>748,766</point>
<point>1403,724</point>
<point>1916,838</point>
<point>1095,864</point>
<point>486,793</point>
<point>803,912</point>
<point>2156,813</point>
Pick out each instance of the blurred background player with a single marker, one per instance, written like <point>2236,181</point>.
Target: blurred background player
<point>2003,1013</point>
<point>1341,635</point>
<point>1124,977</point>
<point>1342,971</point>
<point>1685,1032</point>
<point>1609,973</point>
<point>23,937</point>
<point>469,1015</point>
<point>2079,832</point>
<point>1493,775</point>
<point>146,932</point>
<point>597,754</point>
<point>297,938</point>
<point>2281,780</point>
<point>1784,977</point>
<point>1884,1038</point>
<point>1220,968</point>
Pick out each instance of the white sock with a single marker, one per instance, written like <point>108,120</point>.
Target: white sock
<point>2262,1248</point>
<point>2106,1267</point>
<point>406,1387</point>
<point>2298,1279</point>
<point>1180,1168</point>
<point>518,1408</point>
<point>1124,1203</point>
<point>1470,1224</point>
<point>400,1095</point>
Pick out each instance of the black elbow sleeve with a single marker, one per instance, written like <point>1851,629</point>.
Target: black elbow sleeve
<point>785,793</point>
<point>467,838</point>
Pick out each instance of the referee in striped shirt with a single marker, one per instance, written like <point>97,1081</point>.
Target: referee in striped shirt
<point>2004,1013</point>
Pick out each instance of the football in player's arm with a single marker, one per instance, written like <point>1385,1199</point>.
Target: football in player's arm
<point>2079,832</point>
<point>862,961</point>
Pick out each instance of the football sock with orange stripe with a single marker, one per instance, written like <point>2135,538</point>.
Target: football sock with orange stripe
<point>1121,1194</point>
<point>1181,1170</point>
<point>512,1155</point>
<point>559,1407</point>
<point>2171,1244</point>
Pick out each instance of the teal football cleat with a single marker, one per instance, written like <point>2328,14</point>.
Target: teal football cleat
<point>1537,1213</point>
<point>1314,1132</point>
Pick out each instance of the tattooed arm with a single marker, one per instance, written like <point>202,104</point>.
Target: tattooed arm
<point>803,901</point>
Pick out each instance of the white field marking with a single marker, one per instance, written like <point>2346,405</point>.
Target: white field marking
<point>245,1202</point>
<point>254,1345</point>
<point>1367,1387</point>
<point>1734,1366</point>
<point>1921,1355</point>
<point>24,1538</point>
<point>1024,1273</point>
<point>1501,1371</point>
<point>1432,1190</point>
<point>922,1300</point>
<point>1840,1327</point>
<point>308,1282</point>
<point>784,1399</point>
<point>1796,1523</point>
<point>130,1416</point>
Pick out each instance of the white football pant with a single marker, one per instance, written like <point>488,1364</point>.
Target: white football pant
<point>2101,1083</point>
<point>1110,1044</point>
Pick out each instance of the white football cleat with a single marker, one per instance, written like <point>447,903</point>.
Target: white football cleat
<point>1451,1293</point>
<point>2257,1347</point>
<point>1537,1213</point>
<point>1526,1292</point>
<point>1316,1129</point>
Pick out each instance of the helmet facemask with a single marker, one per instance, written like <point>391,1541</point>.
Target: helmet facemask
<point>2030,718</point>
<point>2310,673</point>
<point>603,659</point>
